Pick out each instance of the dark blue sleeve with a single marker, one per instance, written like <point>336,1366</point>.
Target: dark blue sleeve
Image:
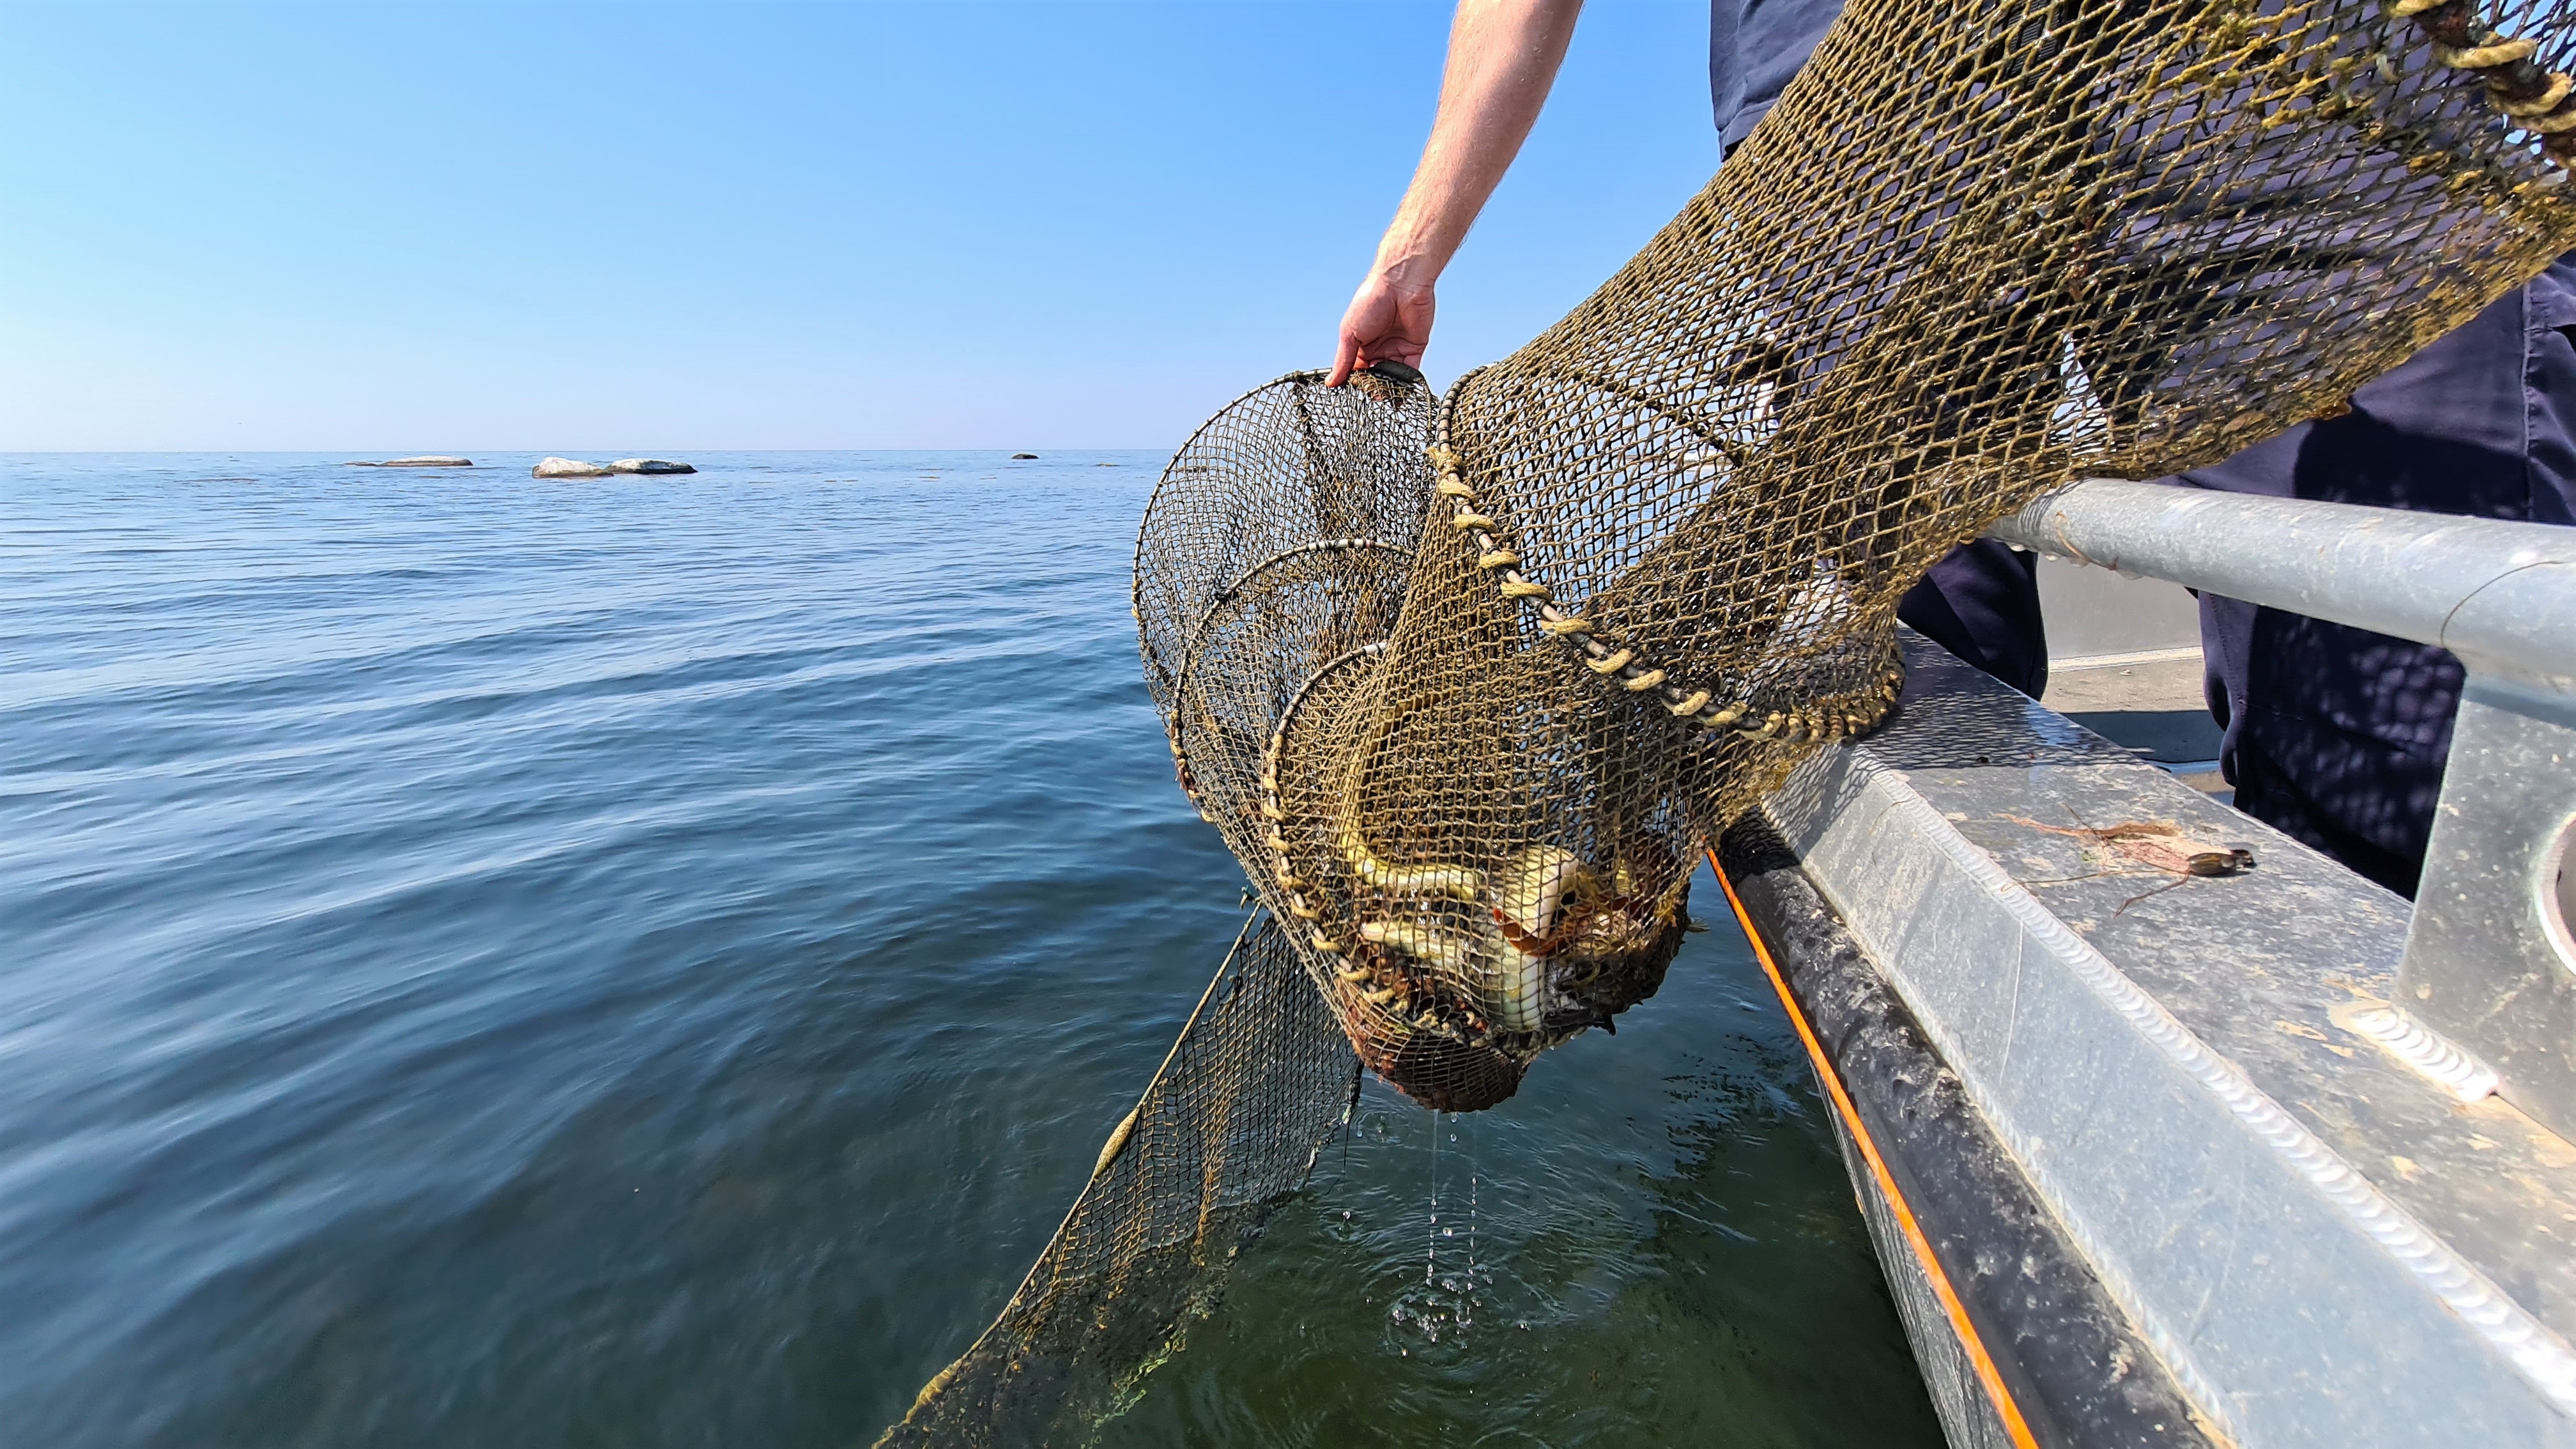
<point>1754,47</point>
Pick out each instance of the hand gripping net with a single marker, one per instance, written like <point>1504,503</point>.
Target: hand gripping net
<point>1466,682</point>
<point>1466,714</point>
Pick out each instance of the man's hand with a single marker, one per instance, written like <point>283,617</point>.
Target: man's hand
<point>1387,322</point>
<point>1503,56</point>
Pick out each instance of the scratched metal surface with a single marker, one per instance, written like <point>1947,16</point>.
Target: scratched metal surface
<point>2277,1286</point>
<point>2254,964</point>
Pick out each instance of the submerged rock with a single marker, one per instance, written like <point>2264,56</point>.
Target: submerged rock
<point>649,465</point>
<point>567,468</point>
<point>426,460</point>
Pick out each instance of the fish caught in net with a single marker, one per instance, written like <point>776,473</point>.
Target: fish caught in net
<point>1660,548</point>
<point>1466,682</point>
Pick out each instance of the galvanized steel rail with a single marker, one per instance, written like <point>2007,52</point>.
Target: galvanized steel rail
<point>2500,595</point>
<point>2487,993</point>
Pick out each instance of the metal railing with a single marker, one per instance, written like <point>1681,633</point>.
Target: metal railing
<point>2487,989</point>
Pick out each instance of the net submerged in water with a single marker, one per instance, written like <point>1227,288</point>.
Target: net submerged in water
<point>1467,683</point>
<point>1230,1126</point>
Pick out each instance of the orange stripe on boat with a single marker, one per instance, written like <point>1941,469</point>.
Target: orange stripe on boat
<point>1978,1358</point>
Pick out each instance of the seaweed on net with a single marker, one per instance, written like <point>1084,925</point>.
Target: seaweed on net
<point>1467,682</point>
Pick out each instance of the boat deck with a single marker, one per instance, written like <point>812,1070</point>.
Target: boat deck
<point>2316,1243</point>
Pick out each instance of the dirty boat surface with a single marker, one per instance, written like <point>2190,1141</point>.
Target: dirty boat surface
<point>2266,1156</point>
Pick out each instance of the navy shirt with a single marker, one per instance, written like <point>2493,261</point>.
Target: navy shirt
<point>1754,47</point>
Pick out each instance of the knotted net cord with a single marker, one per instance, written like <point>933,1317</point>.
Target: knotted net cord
<point>1467,682</point>
<point>1959,263</point>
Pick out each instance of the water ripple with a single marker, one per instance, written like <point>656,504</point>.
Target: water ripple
<point>647,962</point>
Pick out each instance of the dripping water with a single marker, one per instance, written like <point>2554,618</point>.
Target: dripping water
<point>1466,1297</point>
<point>1448,1297</point>
<point>1431,1252</point>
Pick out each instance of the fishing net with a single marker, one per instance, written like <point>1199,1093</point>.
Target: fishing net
<point>1466,682</point>
<point>1230,1126</point>
<point>1652,560</point>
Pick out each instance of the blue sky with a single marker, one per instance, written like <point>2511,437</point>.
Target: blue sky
<point>628,227</point>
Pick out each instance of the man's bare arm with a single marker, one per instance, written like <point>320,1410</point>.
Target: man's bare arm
<point>1503,56</point>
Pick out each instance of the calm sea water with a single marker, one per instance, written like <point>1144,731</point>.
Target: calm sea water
<point>648,962</point>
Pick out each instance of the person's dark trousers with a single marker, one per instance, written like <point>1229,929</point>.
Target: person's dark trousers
<point>2334,735</point>
<point>1981,602</point>
<point>2338,735</point>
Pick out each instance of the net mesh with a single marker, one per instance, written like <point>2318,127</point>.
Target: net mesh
<point>1467,682</point>
<point>1652,560</point>
<point>1256,1084</point>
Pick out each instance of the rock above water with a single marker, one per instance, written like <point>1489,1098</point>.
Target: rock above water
<point>649,465</point>
<point>1024,457</point>
<point>431,460</point>
<point>567,468</point>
